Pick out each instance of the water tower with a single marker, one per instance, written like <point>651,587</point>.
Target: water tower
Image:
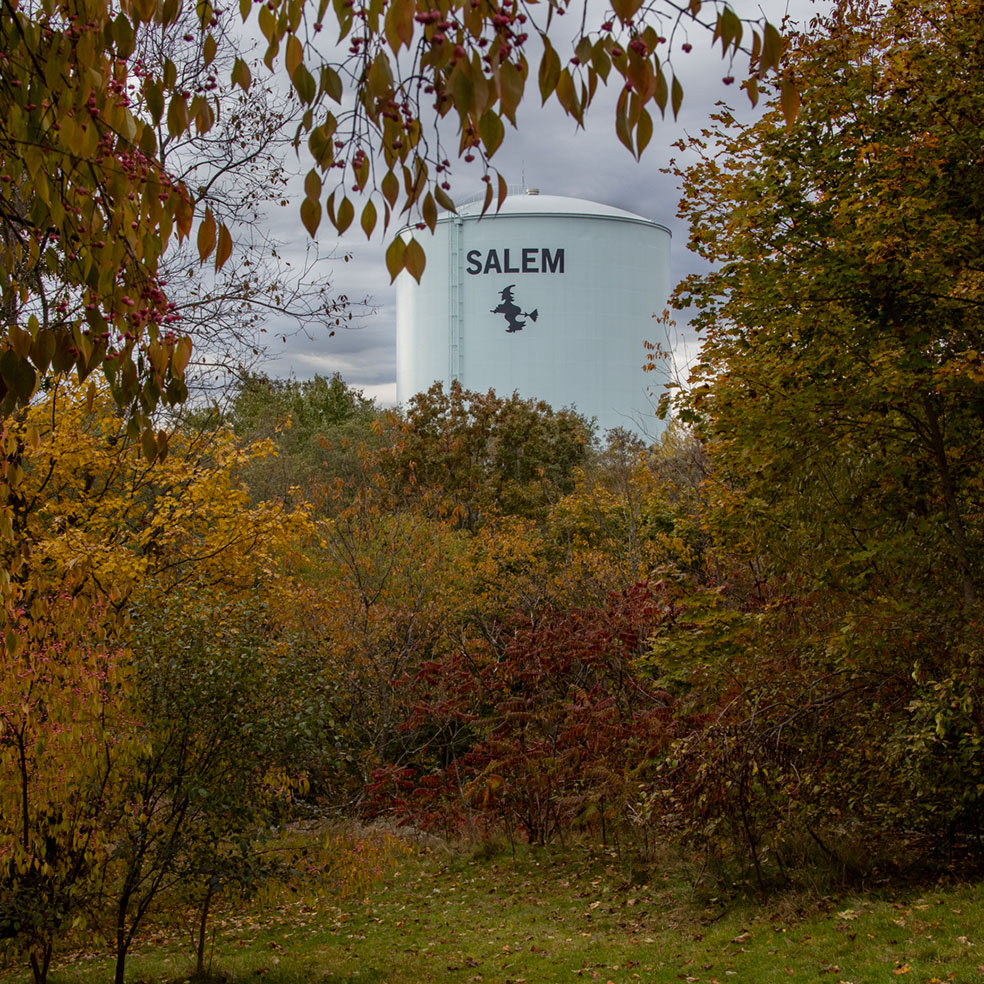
<point>552,297</point>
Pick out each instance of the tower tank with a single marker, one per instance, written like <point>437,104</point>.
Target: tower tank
<point>552,297</point>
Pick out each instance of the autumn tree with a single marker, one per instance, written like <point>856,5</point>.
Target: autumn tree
<point>317,426</point>
<point>57,757</point>
<point>838,393</point>
<point>394,572</point>
<point>851,257</point>
<point>634,515</point>
<point>228,708</point>
<point>114,563</point>
<point>492,455</point>
<point>549,729</point>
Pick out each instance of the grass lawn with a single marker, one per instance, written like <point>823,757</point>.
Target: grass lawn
<point>545,916</point>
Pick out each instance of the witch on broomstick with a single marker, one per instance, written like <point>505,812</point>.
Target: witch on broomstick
<point>511,310</point>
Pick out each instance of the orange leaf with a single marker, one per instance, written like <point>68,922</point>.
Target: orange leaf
<point>206,235</point>
<point>224,250</point>
<point>790,100</point>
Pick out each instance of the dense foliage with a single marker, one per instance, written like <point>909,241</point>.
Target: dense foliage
<point>758,638</point>
<point>838,397</point>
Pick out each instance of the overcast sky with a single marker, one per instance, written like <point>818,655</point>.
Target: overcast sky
<point>547,151</point>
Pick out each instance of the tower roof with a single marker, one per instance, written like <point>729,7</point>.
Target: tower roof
<point>533,203</point>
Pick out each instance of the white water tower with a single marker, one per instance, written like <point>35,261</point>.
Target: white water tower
<point>551,297</point>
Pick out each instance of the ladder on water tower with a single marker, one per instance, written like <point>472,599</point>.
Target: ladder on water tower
<point>456,301</point>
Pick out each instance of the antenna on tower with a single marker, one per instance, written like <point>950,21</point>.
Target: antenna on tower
<point>524,175</point>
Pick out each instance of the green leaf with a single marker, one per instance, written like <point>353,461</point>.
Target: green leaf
<point>491,130</point>
<point>304,84</point>
<point>148,444</point>
<point>644,132</point>
<point>331,83</point>
<point>395,257</point>
<point>18,374</point>
<point>444,199</point>
<point>676,96</point>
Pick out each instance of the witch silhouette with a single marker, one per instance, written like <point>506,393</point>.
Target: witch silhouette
<point>512,311</point>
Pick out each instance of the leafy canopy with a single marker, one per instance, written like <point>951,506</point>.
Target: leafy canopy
<point>87,210</point>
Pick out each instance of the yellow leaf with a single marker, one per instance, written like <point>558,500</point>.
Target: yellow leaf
<point>148,444</point>
<point>293,55</point>
<point>181,355</point>
<point>368,219</point>
<point>344,215</point>
<point>241,74</point>
<point>390,188</point>
<point>177,115</point>
<point>311,215</point>
<point>312,185</point>
<point>625,9</point>
<point>395,256</point>
<point>549,70</point>
<point>429,211</point>
<point>415,260</point>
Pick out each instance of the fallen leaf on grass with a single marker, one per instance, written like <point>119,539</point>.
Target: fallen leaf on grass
<point>903,969</point>
<point>742,938</point>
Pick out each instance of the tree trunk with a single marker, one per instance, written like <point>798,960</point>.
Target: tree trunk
<point>121,941</point>
<point>40,967</point>
<point>202,927</point>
